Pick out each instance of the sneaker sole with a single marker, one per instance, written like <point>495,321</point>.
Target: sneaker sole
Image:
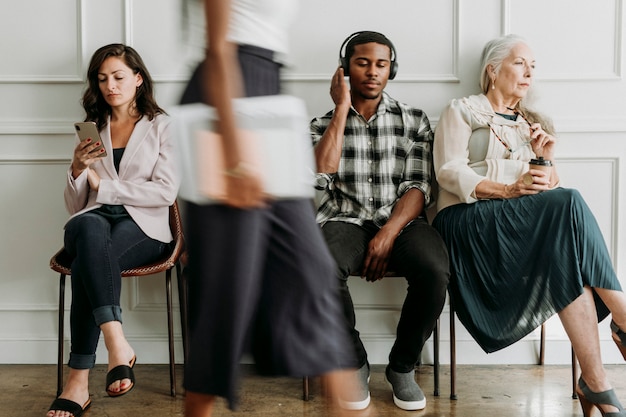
<point>355,405</point>
<point>409,405</point>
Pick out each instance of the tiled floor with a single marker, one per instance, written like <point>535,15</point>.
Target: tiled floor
<point>483,391</point>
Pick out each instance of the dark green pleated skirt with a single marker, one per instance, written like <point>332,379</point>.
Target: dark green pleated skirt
<point>517,262</point>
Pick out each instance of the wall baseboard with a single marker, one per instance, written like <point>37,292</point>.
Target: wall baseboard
<point>155,351</point>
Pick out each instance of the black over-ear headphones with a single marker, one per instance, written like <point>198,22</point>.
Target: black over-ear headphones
<point>345,63</point>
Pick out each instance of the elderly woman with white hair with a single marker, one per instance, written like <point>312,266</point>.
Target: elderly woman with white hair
<point>521,248</point>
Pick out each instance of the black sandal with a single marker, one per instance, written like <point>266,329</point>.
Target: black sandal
<point>121,372</point>
<point>61,404</point>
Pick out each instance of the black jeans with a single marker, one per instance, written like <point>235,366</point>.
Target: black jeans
<point>419,254</point>
<point>101,248</point>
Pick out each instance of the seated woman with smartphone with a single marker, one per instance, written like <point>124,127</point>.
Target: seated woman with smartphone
<point>120,185</point>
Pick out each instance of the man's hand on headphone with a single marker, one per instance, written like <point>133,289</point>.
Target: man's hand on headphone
<point>339,89</point>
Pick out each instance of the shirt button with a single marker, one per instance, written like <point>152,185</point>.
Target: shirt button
<point>371,199</point>
<point>369,179</point>
<point>369,162</point>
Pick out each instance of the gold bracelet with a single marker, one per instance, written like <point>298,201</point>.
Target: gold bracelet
<point>239,171</point>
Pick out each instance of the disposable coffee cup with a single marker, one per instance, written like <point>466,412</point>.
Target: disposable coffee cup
<point>541,164</point>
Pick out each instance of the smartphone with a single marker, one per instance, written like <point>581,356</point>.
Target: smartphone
<point>86,130</point>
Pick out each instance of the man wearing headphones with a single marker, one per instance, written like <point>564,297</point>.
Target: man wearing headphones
<point>374,158</point>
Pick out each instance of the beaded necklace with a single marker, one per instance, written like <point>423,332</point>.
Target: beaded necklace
<point>506,146</point>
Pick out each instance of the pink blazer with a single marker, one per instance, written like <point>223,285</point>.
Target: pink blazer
<point>147,183</point>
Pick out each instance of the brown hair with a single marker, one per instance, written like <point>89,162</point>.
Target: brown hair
<point>96,108</point>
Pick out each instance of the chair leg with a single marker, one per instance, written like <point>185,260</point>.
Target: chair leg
<point>574,375</point>
<point>436,357</point>
<point>305,388</point>
<point>61,334</point>
<point>452,356</point>
<point>170,331</point>
<point>182,301</point>
<point>542,344</point>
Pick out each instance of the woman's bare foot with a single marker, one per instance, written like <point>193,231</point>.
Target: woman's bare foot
<point>120,353</point>
<point>125,356</point>
<point>76,389</point>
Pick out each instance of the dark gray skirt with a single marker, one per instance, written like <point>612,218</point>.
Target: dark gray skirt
<point>259,71</point>
<point>516,262</point>
<point>261,281</point>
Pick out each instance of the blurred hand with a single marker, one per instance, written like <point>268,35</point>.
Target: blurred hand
<point>244,190</point>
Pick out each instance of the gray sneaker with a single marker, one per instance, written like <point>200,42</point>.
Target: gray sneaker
<point>360,398</point>
<point>407,395</point>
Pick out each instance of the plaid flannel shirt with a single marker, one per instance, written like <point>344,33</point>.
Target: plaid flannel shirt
<point>382,158</point>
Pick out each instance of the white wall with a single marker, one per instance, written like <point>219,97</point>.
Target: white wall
<point>579,46</point>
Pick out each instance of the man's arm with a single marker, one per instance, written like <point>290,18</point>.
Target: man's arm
<point>328,149</point>
<point>408,208</point>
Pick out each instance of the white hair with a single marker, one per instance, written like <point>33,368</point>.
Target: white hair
<point>494,53</point>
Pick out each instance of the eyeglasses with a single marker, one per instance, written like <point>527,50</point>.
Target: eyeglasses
<point>506,146</point>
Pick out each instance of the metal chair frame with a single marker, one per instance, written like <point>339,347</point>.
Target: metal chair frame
<point>61,263</point>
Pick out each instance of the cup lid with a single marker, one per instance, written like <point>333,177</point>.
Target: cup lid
<point>541,162</point>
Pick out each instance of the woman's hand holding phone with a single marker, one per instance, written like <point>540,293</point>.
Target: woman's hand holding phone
<point>88,150</point>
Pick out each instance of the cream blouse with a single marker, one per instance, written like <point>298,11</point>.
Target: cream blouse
<point>467,149</point>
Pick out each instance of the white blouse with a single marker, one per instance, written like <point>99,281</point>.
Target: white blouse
<point>262,23</point>
<point>473,143</point>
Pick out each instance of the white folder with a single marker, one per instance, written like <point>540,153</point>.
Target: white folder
<point>275,130</point>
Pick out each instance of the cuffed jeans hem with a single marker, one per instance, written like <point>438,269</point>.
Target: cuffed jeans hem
<point>106,314</point>
<point>78,361</point>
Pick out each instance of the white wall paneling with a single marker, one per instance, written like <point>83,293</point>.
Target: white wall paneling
<point>425,35</point>
<point>579,46</point>
<point>30,37</point>
<point>594,29</point>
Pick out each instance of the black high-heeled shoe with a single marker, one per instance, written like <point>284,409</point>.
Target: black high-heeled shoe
<point>589,399</point>
<point>619,337</point>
